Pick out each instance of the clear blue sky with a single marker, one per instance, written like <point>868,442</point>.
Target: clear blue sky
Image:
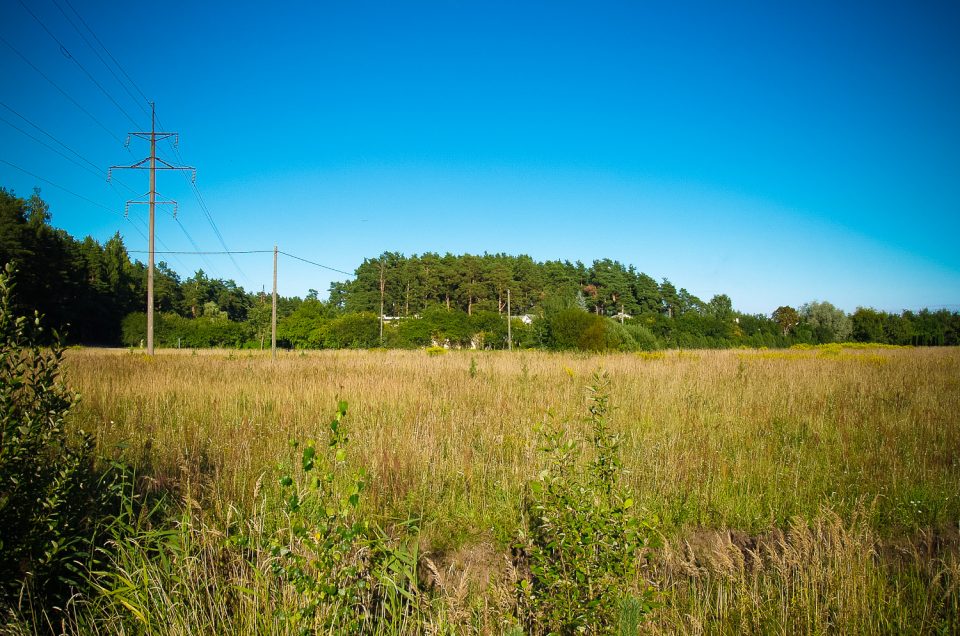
<point>779,154</point>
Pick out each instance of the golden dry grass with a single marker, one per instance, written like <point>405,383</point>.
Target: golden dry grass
<point>719,438</point>
<point>859,443</point>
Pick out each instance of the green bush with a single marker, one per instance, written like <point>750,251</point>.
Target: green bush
<point>643,337</point>
<point>567,329</point>
<point>353,331</point>
<point>573,328</point>
<point>450,327</point>
<point>410,333</point>
<point>172,330</point>
<point>48,487</point>
<point>581,537</point>
<point>489,329</point>
<point>617,337</point>
<point>305,328</point>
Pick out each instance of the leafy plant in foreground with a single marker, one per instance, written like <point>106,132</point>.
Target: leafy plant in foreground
<point>348,575</point>
<point>46,481</point>
<point>581,538</point>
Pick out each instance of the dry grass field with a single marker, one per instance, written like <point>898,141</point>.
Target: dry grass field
<point>792,491</point>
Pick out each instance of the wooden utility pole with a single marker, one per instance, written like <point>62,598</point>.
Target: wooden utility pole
<point>381,300</point>
<point>509,326</point>
<point>273,317</point>
<point>150,163</point>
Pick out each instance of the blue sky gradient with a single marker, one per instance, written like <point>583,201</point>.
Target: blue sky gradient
<point>779,154</point>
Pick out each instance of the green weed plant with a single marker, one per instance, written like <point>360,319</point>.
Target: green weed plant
<point>582,539</point>
<point>348,575</point>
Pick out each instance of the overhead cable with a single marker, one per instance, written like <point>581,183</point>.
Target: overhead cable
<point>79,196</point>
<point>62,92</point>
<point>66,53</point>
<point>141,104</point>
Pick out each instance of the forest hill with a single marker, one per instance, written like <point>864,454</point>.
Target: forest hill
<point>94,294</point>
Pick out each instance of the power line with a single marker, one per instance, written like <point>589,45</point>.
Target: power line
<point>68,191</point>
<point>206,211</point>
<point>107,51</point>
<point>94,166</point>
<point>332,269</point>
<point>62,92</point>
<point>208,252</point>
<point>213,269</point>
<point>199,197</point>
<point>66,52</point>
<point>79,196</point>
<point>97,53</point>
<point>228,252</point>
<point>49,147</point>
<point>77,154</point>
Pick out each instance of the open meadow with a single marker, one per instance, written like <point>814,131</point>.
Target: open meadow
<point>788,491</point>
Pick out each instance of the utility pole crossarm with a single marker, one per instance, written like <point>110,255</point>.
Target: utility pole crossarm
<point>140,165</point>
<point>144,165</point>
<point>159,136</point>
<point>126,210</point>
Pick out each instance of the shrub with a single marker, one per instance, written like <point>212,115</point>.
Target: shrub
<point>617,337</point>
<point>353,331</point>
<point>581,538</point>
<point>410,333</point>
<point>171,330</point>
<point>643,337</point>
<point>451,327</point>
<point>47,483</point>
<point>490,329</point>
<point>567,328</point>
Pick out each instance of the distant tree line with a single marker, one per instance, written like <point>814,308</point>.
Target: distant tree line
<point>94,294</point>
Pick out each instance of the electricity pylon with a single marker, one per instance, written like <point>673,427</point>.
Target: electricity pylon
<point>150,163</point>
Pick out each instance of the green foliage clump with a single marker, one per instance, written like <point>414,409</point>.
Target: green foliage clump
<point>353,331</point>
<point>573,328</point>
<point>171,330</point>
<point>581,540</point>
<point>643,338</point>
<point>489,329</point>
<point>568,326</point>
<point>304,328</point>
<point>411,333</point>
<point>348,576</point>
<point>46,479</point>
<point>828,323</point>
<point>450,327</point>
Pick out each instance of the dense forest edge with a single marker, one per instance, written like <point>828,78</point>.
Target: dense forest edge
<point>93,294</point>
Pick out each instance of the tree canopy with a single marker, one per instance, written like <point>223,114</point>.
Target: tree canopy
<point>94,293</point>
